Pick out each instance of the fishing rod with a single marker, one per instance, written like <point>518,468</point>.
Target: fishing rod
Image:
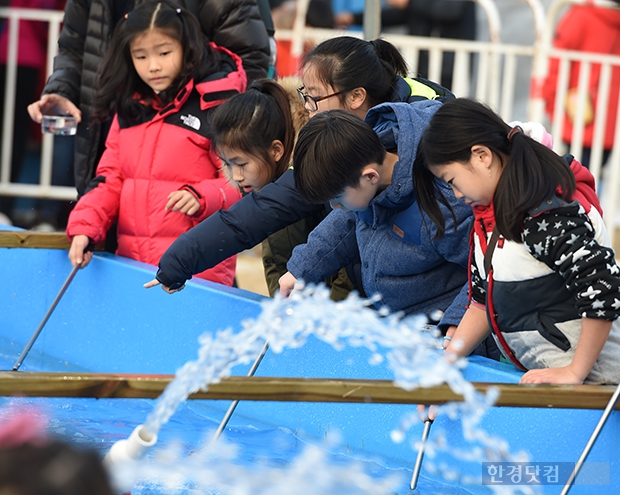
<point>51,309</point>
<point>418,462</point>
<point>233,405</point>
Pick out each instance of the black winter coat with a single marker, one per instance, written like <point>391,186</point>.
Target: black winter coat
<point>85,36</point>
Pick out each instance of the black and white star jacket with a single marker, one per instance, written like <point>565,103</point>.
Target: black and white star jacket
<point>539,290</point>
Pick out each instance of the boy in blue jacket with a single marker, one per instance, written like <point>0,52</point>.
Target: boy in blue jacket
<point>341,159</point>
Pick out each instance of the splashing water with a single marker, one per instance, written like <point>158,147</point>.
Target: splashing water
<point>414,354</point>
<point>213,470</point>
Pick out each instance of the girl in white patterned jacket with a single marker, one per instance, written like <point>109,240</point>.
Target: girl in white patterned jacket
<point>543,275</point>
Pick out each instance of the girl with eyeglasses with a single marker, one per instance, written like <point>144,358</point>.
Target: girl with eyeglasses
<point>378,70</point>
<point>350,74</point>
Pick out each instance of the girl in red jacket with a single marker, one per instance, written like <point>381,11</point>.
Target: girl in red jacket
<point>158,174</point>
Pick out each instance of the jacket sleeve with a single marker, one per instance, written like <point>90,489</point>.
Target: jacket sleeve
<point>67,75</point>
<point>213,194</point>
<point>216,194</point>
<point>238,26</point>
<point>564,239</point>
<point>96,210</point>
<point>227,232</point>
<point>332,245</point>
<point>454,247</point>
<point>454,313</point>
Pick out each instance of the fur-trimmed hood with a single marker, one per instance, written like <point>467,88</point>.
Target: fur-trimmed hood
<point>298,111</point>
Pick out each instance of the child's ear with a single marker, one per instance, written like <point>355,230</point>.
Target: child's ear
<point>276,150</point>
<point>482,154</point>
<point>357,97</point>
<point>371,174</point>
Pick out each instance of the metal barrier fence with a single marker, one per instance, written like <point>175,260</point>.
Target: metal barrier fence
<point>490,78</point>
<point>43,189</point>
<point>610,176</point>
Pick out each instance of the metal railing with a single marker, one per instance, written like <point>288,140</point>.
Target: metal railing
<point>544,52</point>
<point>44,189</point>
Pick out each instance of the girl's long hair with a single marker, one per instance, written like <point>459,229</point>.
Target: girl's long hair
<point>120,88</point>
<point>531,174</point>
<point>251,121</point>
<point>346,63</point>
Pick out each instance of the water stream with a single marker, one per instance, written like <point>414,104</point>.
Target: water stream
<point>413,353</point>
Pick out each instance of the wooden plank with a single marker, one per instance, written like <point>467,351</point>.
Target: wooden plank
<point>296,390</point>
<point>28,239</point>
<point>44,240</point>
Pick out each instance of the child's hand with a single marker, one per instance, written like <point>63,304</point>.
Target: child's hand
<point>427,413</point>
<point>183,201</point>
<point>448,337</point>
<point>562,375</point>
<point>287,284</point>
<point>155,283</point>
<point>78,254</point>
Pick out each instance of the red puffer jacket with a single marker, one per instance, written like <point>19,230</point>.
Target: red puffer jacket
<point>144,162</point>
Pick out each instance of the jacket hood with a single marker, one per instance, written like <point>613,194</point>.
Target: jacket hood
<point>216,88</point>
<point>410,89</point>
<point>400,127</point>
<point>298,111</point>
<point>585,192</point>
<point>221,85</point>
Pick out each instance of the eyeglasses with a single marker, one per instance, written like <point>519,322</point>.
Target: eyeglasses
<point>312,102</point>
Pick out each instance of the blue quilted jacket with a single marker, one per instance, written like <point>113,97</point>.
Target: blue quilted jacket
<point>400,260</point>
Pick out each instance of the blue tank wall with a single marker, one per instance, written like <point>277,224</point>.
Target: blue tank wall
<point>107,322</point>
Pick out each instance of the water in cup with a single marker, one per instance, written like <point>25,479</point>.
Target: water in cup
<point>60,125</point>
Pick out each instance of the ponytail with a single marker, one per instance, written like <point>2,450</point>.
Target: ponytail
<point>346,63</point>
<point>390,57</point>
<point>251,121</point>
<point>533,174</point>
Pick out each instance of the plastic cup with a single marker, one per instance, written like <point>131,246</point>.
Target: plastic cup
<point>60,125</point>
